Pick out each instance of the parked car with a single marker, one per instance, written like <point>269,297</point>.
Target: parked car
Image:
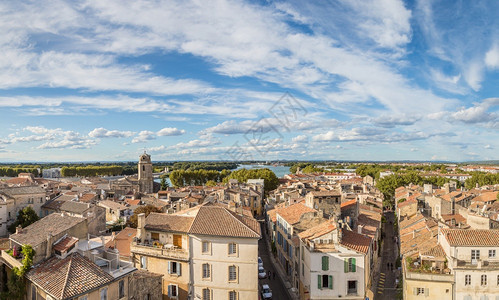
<point>261,273</point>
<point>260,262</point>
<point>266,292</point>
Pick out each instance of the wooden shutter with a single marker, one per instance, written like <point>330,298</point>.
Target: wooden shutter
<point>346,265</point>
<point>169,267</point>
<point>179,266</point>
<point>426,292</point>
<point>319,282</point>
<point>169,291</point>
<point>414,291</point>
<point>330,282</point>
<point>177,240</point>
<point>353,264</point>
<point>325,263</point>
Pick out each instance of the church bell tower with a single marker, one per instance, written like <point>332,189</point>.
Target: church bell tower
<point>145,174</point>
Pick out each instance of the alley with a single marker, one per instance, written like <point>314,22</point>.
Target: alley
<point>276,284</point>
<point>386,289</point>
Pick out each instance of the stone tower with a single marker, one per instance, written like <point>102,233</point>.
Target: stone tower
<point>145,174</point>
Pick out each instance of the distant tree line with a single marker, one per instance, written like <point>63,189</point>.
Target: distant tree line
<point>388,184</point>
<point>180,178</point>
<point>481,178</point>
<point>217,166</point>
<point>13,172</point>
<point>270,179</point>
<point>89,171</point>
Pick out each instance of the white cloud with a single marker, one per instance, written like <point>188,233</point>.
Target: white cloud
<point>492,57</point>
<point>478,113</point>
<point>300,139</point>
<point>104,133</point>
<point>169,131</point>
<point>197,143</point>
<point>144,136</point>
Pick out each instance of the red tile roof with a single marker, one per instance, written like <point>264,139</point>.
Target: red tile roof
<point>471,237</point>
<point>293,213</point>
<point>355,241</point>
<point>348,204</point>
<point>318,231</point>
<point>123,240</point>
<point>68,277</point>
<point>65,244</point>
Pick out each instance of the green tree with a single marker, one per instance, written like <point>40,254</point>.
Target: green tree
<point>16,285</point>
<point>26,217</point>
<point>146,209</point>
<point>270,179</point>
<point>164,184</point>
<point>211,183</point>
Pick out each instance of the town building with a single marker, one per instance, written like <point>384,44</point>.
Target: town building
<point>199,257</point>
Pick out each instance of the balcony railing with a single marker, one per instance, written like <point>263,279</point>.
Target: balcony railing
<point>11,261</point>
<point>160,250</point>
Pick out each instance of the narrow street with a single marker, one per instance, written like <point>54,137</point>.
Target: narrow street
<point>386,288</point>
<point>276,285</point>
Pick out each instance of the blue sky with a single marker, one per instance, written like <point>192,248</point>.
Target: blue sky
<point>196,80</point>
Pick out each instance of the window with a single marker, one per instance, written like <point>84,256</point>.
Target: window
<point>232,295</point>
<point>172,291</point>
<point>497,279</point>
<point>475,255</point>
<point>232,249</point>
<point>174,268</point>
<point>419,291</point>
<point>492,253</point>
<point>121,289</point>
<point>303,271</point>
<point>206,294</point>
<point>33,292</point>
<point>352,287</point>
<point>350,265</point>
<point>103,294</point>
<point>325,263</point>
<point>206,271</point>
<point>467,279</point>
<point>483,280</point>
<point>143,262</point>
<point>232,273</point>
<point>325,282</point>
<point>206,247</point>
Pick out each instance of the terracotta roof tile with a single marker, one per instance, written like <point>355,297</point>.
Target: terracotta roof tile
<point>68,277</point>
<point>355,241</point>
<point>318,231</point>
<point>486,197</point>
<point>471,237</point>
<point>220,221</point>
<point>293,213</point>
<point>166,222</point>
<point>347,204</point>
<point>65,244</point>
<point>123,240</point>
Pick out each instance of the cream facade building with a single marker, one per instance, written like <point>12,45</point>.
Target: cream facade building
<point>200,258</point>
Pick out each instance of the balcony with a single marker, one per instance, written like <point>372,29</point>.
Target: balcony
<point>10,260</point>
<point>476,264</point>
<point>159,250</point>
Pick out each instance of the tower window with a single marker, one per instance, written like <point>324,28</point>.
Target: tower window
<point>143,168</point>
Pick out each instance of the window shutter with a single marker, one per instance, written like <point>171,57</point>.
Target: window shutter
<point>169,291</point>
<point>169,267</point>
<point>330,282</point>
<point>325,263</point>
<point>179,266</point>
<point>319,282</point>
<point>414,291</point>
<point>426,292</point>
<point>353,264</point>
<point>346,265</point>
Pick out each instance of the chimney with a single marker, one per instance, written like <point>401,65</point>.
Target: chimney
<point>359,229</point>
<point>141,222</point>
<point>19,229</point>
<point>414,234</point>
<point>48,252</point>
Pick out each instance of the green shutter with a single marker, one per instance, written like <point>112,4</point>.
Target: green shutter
<point>325,263</point>
<point>346,265</point>
<point>353,264</point>
<point>330,282</point>
<point>319,282</point>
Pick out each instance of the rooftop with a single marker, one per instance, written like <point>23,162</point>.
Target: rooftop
<point>355,241</point>
<point>68,277</point>
<point>36,233</point>
<point>471,237</point>
<point>293,213</point>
